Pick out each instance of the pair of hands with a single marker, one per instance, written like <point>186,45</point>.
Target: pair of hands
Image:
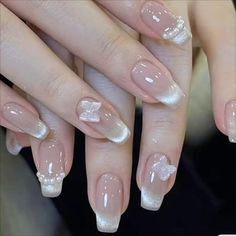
<point>94,42</point>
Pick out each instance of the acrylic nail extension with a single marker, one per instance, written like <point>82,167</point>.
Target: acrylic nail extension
<point>157,83</point>
<point>155,181</point>
<point>25,120</point>
<point>230,120</point>
<point>109,197</point>
<point>163,22</point>
<point>51,167</point>
<point>102,120</point>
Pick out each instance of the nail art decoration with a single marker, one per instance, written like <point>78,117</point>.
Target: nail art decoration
<point>155,181</point>
<point>51,167</point>
<point>163,169</point>
<point>91,111</point>
<point>103,120</point>
<point>163,22</point>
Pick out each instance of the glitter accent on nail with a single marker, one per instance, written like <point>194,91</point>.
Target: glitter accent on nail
<point>51,187</point>
<point>163,169</point>
<point>179,34</point>
<point>90,111</point>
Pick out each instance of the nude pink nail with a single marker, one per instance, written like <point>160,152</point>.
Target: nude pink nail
<point>25,120</point>
<point>155,181</point>
<point>102,120</point>
<point>51,167</point>
<point>230,120</point>
<point>163,22</point>
<point>109,198</point>
<point>157,84</point>
<point>12,143</point>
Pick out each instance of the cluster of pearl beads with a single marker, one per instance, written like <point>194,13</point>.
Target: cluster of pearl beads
<point>57,179</point>
<point>172,32</point>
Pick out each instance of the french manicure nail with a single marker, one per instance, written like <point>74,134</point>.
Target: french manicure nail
<point>12,144</point>
<point>157,83</point>
<point>102,120</point>
<point>109,197</point>
<point>163,22</point>
<point>155,181</point>
<point>25,120</point>
<point>230,120</point>
<point>51,167</point>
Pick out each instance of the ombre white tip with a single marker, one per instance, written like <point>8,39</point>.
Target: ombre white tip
<point>173,97</point>
<point>122,134</point>
<point>42,131</point>
<point>107,223</point>
<point>150,201</point>
<point>180,34</point>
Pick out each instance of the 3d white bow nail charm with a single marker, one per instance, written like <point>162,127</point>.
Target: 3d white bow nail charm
<point>90,111</point>
<point>163,169</point>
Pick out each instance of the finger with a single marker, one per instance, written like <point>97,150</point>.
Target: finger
<point>17,114</point>
<point>113,52</point>
<point>44,76</point>
<point>53,156</point>
<point>217,38</point>
<point>16,141</point>
<point>151,18</point>
<point>163,128</point>
<point>109,166</point>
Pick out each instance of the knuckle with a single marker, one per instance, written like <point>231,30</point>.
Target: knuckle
<point>111,46</point>
<point>54,86</point>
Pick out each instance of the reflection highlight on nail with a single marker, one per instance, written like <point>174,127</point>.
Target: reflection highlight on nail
<point>109,197</point>
<point>103,120</point>
<point>51,167</point>
<point>12,143</point>
<point>155,181</point>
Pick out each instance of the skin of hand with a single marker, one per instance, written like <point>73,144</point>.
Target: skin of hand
<point>163,128</point>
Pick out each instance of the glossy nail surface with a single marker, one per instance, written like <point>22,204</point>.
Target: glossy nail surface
<point>163,22</point>
<point>155,181</point>
<point>51,167</point>
<point>102,120</point>
<point>109,198</point>
<point>25,120</point>
<point>230,120</point>
<point>12,143</point>
<point>157,84</point>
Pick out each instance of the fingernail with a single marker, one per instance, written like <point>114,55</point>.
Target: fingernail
<point>109,197</point>
<point>51,167</point>
<point>163,22</point>
<point>155,181</point>
<point>102,120</point>
<point>25,120</point>
<point>230,120</point>
<point>157,83</point>
<point>12,144</point>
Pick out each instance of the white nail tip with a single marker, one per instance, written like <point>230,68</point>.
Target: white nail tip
<point>43,131</point>
<point>150,201</point>
<point>232,138</point>
<point>107,223</point>
<point>173,97</point>
<point>13,147</point>
<point>179,35</point>
<point>51,187</point>
<point>90,111</point>
<point>122,136</point>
